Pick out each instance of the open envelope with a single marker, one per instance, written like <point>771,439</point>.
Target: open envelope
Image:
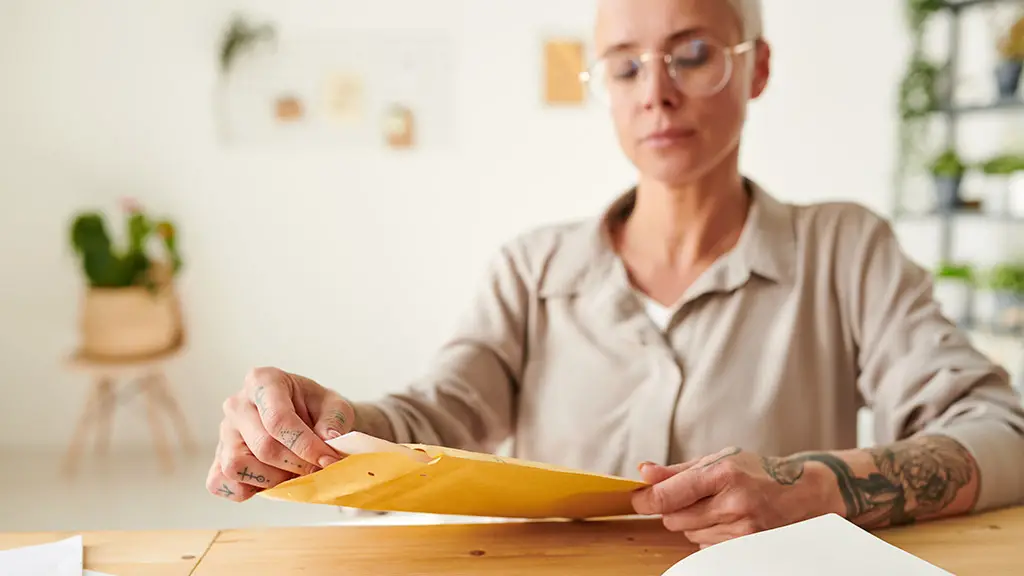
<point>435,480</point>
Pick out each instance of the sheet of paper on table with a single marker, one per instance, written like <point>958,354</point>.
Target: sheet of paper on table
<point>60,558</point>
<point>825,545</point>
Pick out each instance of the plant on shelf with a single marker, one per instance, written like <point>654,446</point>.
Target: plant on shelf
<point>241,35</point>
<point>948,170</point>
<point>918,13</point>
<point>1011,60</point>
<point>962,273</point>
<point>1006,281</point>
<point>918,97</point>
<point>953,290</point>
<point>129,307</point>
<point>1003,164</point>
<point>920,91</point>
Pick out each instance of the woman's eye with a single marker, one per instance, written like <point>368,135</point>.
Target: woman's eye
<point>691,54</point>
<point>623,68</point>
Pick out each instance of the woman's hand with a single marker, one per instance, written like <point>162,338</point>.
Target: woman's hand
<point>274,430</point>
<point>735,493</point>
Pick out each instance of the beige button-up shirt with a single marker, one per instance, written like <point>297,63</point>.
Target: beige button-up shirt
<point>815,313</point>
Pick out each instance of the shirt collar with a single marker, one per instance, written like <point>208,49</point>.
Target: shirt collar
<point>766,247</point>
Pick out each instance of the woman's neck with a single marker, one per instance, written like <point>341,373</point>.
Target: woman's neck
<point>684,226</point>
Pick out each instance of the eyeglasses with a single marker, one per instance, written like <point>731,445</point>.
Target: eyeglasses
<point>698,67</point>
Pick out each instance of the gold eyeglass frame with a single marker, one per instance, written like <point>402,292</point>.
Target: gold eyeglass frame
<point>587,75</point>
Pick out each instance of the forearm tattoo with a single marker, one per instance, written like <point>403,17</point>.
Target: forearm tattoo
<point>915,478</point>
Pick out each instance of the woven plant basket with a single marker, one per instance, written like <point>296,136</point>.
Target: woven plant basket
<point>130,322</point>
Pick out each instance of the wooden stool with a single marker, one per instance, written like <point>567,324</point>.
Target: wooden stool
<point>144,375</point>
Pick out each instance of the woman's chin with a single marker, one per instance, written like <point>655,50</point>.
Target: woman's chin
<point>673,170</point>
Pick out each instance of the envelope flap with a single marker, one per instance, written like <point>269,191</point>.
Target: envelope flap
<point>353,474</point>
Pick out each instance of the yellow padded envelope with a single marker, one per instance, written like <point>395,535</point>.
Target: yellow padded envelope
<point>447,481</point>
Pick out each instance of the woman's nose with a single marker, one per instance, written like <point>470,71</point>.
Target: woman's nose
<point>659,89</point>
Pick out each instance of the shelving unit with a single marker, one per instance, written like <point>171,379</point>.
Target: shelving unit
<point>953,114</point>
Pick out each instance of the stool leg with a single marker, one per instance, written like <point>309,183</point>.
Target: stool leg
<point>105,415</point>
<point>153,409</point>
<point>82,428</point>
<point>174,409</point>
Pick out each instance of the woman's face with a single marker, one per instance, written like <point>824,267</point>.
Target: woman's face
<point>676,130</point>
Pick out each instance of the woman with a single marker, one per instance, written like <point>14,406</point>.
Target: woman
<point>696,315</point>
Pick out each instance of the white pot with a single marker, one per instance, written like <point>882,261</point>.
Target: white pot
<point>986,308</point>
<point>1015,194</point>
<point>997,197</point>
<point>954,299</point>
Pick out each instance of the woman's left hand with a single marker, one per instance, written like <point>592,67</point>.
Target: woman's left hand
<point>734,493</point>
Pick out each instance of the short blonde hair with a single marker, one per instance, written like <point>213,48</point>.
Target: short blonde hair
<point>751,20</point>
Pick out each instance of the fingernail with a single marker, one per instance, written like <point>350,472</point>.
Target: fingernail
<point>326,461</point>
<point>332,434</point>
<point>642,465</point>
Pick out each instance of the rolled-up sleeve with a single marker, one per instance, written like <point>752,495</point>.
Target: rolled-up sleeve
<point>467,397</point>
<point>920,374</point>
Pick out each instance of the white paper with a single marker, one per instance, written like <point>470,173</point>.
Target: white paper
<point>825,545</point>
<point>60,558</point>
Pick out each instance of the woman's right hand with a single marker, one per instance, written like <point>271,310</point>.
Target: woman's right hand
<point>274,429</point>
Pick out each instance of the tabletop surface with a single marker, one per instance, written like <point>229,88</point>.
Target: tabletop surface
<point>143,553</point>
<point>989,544</point>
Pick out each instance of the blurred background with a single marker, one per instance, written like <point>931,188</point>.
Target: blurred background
<point>194,188</point>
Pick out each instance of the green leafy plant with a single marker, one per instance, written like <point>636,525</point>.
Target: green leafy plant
<point>918,98</point>
<point>1003,164</point>
<point>948,164</point>
<point>239,36</point>
<point>952,271</point>
<point>919,89</point>
<point>107,266</point>
<point>1011,47</point>
<point>919,11</point>
<point>1006,278</point>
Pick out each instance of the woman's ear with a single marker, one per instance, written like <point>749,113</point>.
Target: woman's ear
<point>762,69</point>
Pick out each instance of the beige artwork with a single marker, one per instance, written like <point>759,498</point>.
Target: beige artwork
<point>344,98</point>
<point>563,62</point>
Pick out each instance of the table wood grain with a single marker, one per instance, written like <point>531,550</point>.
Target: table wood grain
<point>989,544</point>
<point>533,548</point>
<point>143,553</point>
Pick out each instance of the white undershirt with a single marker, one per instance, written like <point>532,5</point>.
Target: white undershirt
<point>659,314</point>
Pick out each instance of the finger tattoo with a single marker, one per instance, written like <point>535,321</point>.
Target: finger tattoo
<point>257,398</point>
<point>338,417</point>
<point>245,475</point>
<point>730,453</point>
<point>290,437</point>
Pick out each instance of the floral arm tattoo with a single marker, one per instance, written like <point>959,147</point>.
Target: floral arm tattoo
<point>912,479</point>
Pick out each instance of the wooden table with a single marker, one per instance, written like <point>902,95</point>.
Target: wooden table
<point>148,553</point>
<point>987,544</point>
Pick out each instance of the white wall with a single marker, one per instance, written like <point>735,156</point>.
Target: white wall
<point>293,257</point>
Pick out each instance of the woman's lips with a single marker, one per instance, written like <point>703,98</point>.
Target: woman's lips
<point>669,137</point>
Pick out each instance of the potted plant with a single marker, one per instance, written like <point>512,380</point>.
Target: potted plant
<point>948,171</point>
<point>1011,60</point>
<point>953,290</point>
<point>1005,283</point>
<point>1002,169</point>
<point>129,307</point>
